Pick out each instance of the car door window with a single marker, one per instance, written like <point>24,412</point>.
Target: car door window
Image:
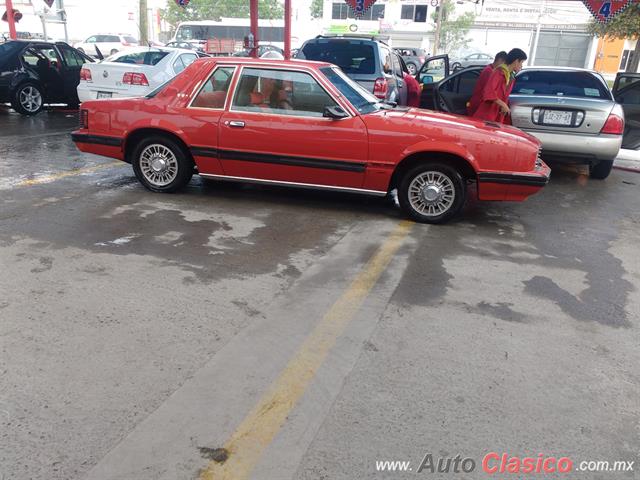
<point>282,92</point>
<point>433,71</point>
<point>628,91</point>
<point>385,57</point>
<point>71,57</point>
<point>183,61</point>
<point>462,84</point>
<point>214,92</point>
<point>91,40</point>
<point>397,65</point>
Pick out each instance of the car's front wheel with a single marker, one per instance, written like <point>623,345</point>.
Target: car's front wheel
<point>601,170</point>
<point>412,68</point>
<point>161,164</point>
<point>28,99</point>
<point>432,193</point>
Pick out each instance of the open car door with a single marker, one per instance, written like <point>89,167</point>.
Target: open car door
<point>453,93</point>
<point>430,74</point>
<point>626,91</point>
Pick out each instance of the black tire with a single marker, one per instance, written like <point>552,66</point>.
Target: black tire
<point>25,99</point>
<point>412,67</point>
<point>445,181</point>
<point>600,170</point>
<point>168,153</point>
<point>113,51</point>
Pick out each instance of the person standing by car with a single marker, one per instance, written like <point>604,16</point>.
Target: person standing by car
<point>483,79</point>
<point>413,90</point>
<point>495,96</point>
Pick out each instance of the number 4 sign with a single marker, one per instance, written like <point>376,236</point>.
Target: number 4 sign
<point>604,11</point>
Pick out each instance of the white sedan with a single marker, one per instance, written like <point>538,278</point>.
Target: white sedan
<point>133,73</point>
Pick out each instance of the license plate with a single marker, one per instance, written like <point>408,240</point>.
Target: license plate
<point>104,95</point>
<point>557,117</point>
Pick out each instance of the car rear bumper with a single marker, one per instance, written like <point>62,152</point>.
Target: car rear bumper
<point>575,148</point>
<point>89,91</point>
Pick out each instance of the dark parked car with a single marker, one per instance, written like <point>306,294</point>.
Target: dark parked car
<point>35,73</point>
<point>368,61</point>
<point>571,111</point>
<point>413,57</point>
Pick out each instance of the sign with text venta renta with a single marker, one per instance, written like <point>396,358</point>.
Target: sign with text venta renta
<point>606,10</point>
<point>360,7</point>
<point>182,3</point>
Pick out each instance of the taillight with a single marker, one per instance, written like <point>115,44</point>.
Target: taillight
<point>85,74</point>
<point>614,125</point>
<point>84,119</point>
<point>132,78</point>
<point>380,88</point>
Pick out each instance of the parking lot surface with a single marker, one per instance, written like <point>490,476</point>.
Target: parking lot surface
<point>234,331</point>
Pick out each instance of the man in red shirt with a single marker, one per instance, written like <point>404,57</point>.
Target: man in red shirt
<point>495,96</point>
<point>413,90</point>
<point>472,106</point>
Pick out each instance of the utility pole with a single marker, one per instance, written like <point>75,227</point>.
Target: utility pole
<point>436,41</point>
<point>534,48</point>
<point>144,23</point>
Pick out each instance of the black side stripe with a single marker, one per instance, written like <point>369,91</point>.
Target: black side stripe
<point>280,159</point>
<point>204,152</point>
<point>512,179</point>
<point>96,139</point>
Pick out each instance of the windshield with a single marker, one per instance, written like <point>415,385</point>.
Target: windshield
<point>360,98</point>
<point>561,83</point>
<point>148,57</point>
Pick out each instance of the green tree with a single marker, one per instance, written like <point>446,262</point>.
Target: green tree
<point>625,25</point>
<point>317,7</point>
<point>216,9</point>
<point>454,29</point>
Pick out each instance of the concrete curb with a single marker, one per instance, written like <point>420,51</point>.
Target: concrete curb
<point>627,169</point>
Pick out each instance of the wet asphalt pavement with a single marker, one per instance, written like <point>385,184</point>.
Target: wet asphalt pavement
<point>139,330</point>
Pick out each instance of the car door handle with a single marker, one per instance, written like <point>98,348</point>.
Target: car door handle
<point>235,124</point>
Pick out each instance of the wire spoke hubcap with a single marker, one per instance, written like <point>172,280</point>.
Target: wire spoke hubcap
<point>30,99</point>
<point>158,165</point>
<point>431,193</point>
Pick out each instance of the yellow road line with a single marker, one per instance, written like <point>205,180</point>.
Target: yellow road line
<point>260,426</point>
<point>70,173</point>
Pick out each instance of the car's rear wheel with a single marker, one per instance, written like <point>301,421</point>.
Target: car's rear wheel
<point>412,68</point>
<point>432,193</point>
<point>28,99</point>
<point>161,164</point>
<point>601,170</point>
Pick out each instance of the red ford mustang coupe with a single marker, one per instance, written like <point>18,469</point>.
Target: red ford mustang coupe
<point>306,124</point>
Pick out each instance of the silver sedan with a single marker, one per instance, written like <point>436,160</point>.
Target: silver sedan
<point>572,112</point>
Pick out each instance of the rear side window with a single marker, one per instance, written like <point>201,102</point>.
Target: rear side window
<point>141,58</point>
<point>561,84</point>
<point>111,39</point>
<point>214,92</point>
<point>353,57</point>
<point>129,39</point>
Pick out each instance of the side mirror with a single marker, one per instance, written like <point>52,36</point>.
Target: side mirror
<point>427,79</point>
<point>335,113</point>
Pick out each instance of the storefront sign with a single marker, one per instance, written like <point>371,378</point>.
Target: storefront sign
<point>360,7</point>
<point>603,11</point>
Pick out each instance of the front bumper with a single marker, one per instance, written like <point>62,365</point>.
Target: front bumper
<point>513,186</point>
<point>576,148</point>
